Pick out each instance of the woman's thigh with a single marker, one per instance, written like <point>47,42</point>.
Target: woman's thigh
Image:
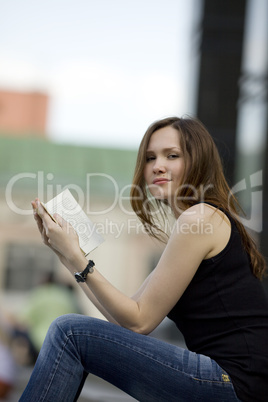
<point>144,367</point>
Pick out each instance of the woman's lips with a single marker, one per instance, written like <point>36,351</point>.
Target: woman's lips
<point>160,180</point>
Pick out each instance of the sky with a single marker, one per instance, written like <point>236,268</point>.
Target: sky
<point>110,67</point>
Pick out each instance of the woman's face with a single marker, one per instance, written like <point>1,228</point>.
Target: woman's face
<point>164,166</point>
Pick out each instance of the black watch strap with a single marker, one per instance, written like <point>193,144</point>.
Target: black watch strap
<point>82,276</point>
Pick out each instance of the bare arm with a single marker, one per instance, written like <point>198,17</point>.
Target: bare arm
<point>161,290</point>
<point>84,287</point>
<point>96,303</point>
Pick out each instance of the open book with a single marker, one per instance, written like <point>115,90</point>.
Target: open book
<point>67,207</point>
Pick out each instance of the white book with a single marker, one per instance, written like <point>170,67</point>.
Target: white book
<point>68,208</point>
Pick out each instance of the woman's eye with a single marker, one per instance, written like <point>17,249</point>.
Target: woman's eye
<point>150,158</point>
<point>173,156</point>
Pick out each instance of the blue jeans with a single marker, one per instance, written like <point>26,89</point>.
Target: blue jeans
<point>144,367</point>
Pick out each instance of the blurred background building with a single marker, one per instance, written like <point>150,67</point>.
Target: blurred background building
<point>214,67</point>
<point>32,165</point>
<point>23,113</point>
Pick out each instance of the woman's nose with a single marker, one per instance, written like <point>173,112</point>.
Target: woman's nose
<point>159,167</point>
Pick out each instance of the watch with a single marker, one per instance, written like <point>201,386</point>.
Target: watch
<point>82,276</point>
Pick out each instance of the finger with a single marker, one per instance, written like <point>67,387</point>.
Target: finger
<point>38,212</point>
<point>65,225</point>
<point>60,221</point>
<point>37,217</point>
<point>39,222</point>
<point>44,237</point>
<point>34,206</point>
<point>47,221</point>
<point>39,208</point>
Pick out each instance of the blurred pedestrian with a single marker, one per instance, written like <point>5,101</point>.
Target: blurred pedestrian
<point>7,362</point>
<point>46,302</point>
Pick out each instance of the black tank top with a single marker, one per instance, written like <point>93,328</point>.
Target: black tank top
<point>223,314</point>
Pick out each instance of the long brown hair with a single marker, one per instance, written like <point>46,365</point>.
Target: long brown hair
<point>203,181</point>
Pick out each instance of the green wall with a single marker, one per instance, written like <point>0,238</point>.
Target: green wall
<point>67,163</point>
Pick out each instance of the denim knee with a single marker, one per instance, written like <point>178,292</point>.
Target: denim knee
<point>63,326</point>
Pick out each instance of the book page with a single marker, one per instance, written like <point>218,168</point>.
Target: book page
<point>67,207</point>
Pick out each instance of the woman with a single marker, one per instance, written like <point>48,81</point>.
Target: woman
<point>207,281</point>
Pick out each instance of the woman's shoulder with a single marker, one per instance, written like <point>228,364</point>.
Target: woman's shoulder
<point>203,211</point>
<point>209,222</point>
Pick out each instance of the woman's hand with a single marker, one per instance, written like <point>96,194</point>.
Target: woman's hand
<point>60,237</point>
